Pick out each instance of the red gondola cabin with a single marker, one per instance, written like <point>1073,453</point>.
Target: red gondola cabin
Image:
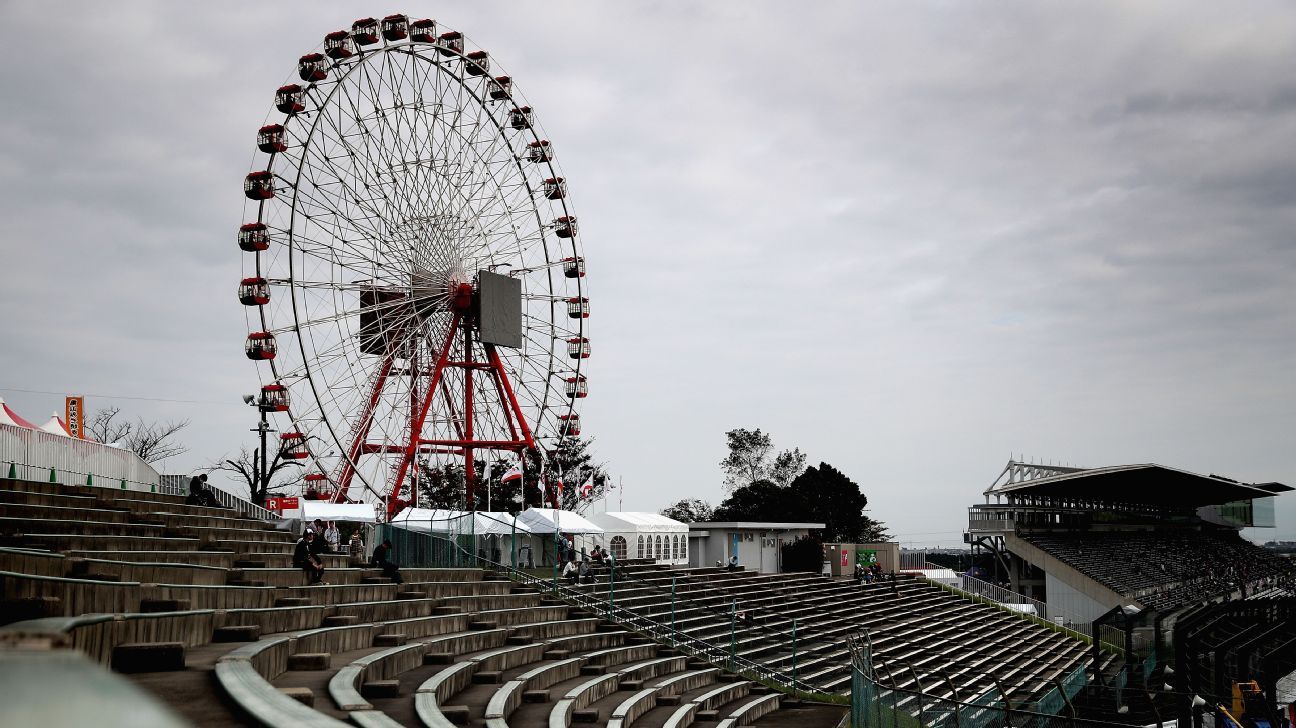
<point>293,446</point>
<point>395,27</point>
<point>502,88</point>
<point>423,31</point>
<point>451,43</point>
<point>565,226</point>
<point>578,348</point>
<point>312,67</point>
<point>270,139</point>
<point>578,307</point>
<point>259,186</point>
<point>520,118</point>
<point>570,425</point>
<point>252,237</point>
<point>274,398</point>
<point>337,45</point>
<point>539,151</point>
<point>477,63</point>
<point>365,31</point>
<point>577,387</point>
<point>254,292</point>
<point>288,99</point>
<point>555,188</point>
<point>574,267</point>
<point>260,346</point>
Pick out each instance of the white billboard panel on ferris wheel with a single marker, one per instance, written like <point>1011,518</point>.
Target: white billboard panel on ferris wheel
<point>500,301</point>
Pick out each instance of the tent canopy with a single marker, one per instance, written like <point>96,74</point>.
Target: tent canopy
<point>326,511</point>
<point>484,523</point>
<point>549,520</point>
<point>9,417</point>
<point>637,522</point>
<point>55,426</point>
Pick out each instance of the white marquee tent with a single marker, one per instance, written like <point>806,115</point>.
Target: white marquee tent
<point>497,532</point>
<point>329,511</point>
<point>644,535</point>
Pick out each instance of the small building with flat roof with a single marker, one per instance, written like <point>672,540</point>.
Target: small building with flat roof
<point>757,545</point>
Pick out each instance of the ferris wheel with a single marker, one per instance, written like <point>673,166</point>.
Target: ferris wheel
<point>413,278</point>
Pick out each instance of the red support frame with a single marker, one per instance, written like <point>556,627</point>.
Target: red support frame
<point>458,339</point>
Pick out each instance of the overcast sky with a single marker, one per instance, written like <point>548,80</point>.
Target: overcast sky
<point>909,238</point>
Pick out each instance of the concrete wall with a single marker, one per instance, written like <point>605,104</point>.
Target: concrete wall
<point>1070,604</point>
<point>757,550</point>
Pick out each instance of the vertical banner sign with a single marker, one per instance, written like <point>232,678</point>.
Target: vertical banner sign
<point>845,557</point>
<point>72,413</point>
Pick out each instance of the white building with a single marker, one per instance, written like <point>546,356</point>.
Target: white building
<point>757,545</point>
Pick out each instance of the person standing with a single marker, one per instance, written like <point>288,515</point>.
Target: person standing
<point>333,538</point>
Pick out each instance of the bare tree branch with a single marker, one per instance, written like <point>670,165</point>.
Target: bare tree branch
<point>152,441</point>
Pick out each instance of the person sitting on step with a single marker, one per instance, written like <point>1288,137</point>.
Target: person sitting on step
<point>308,561</point>
<point>382,559</point>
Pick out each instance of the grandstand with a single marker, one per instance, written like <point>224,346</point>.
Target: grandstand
<point>1130,555</point>
<point>200,609</point>
<point>1086,540</point>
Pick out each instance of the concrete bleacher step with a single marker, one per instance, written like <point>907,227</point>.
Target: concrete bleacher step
<point>148,657</point>
<point>309,661</point>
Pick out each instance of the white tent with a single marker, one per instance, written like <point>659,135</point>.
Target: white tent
<point>11,418</point>
<point>55,426</point>
<point>550,520</point>
<point>484,523</point>
<point>644,535</point>
<point>497,533</point>
<point>328,511</point>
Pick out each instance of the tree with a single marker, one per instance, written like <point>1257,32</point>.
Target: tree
<point>748,458</point>
<point>574,464</point>
<point>690,510</point>
<point>151,441</point>
<point>804,554</point>
<point>787,466</point>
<point>248,466</point>
<point>443,485</point>
<point>820,494</point>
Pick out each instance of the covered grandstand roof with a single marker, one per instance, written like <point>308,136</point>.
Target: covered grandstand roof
<point>1143,483</point>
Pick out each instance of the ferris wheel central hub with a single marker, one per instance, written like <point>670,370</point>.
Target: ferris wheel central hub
<point>461,297</point>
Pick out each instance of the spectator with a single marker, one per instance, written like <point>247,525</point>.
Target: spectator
<point>382,559</point>
<point>597,555</point>
<point>586,576</point>
<point>333,538</point>
<point>733,563</point>
<point>199,494</point>
<point>357,545</point>
<point>895,589</point>
<point>306,560</point>
<point>570,571</point>
<point>318,545</point>
<point>318,525</point>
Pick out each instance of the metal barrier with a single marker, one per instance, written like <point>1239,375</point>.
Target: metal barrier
<point>973,585</point>
<point>41,456</point>
<point>1030,617</point>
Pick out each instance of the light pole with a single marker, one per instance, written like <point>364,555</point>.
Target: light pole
<point>261,481</point>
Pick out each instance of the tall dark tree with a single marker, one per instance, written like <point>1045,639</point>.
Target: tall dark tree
<point>820,494</point>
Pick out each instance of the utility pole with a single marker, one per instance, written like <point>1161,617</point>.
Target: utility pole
<point>260,467</point>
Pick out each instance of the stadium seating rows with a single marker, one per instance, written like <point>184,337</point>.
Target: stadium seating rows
<point>1165,570</point>
<point>202,608</point>
<point>921,635</point>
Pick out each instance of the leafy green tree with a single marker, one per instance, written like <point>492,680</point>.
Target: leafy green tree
<point>820,494</point>
<point>751,458</point>
<point>690,510</point>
